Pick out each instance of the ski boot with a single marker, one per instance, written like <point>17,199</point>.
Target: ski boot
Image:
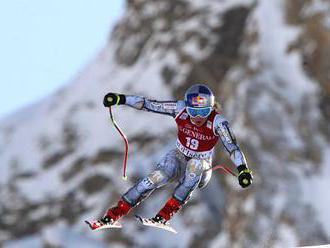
<point>165,214</point>
<point>114,213</point>
<point>109,220</point>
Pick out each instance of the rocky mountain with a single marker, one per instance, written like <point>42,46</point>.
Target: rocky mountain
<point>267,61</point>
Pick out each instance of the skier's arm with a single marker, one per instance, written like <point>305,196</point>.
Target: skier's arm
<point>221,128</point>
<point>171,108</point>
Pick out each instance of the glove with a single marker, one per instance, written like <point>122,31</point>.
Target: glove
<point>245,177</point>
<point>111,99</point>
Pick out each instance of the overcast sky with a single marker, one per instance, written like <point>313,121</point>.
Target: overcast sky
<point>44,43</point>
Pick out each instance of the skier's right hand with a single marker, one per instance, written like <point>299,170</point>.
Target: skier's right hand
<point>111,99</point>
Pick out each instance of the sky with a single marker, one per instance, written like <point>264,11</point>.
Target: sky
<point>43,44</point>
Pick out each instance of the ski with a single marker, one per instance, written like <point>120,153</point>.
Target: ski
<point>152,223</point>
<point>98,225</point>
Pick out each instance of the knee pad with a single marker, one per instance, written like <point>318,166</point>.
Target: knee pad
<point>194,167</point>
<point>190,181</point>
<point>145,186</point>
<point>157,178</point>
<point>152,181</point>
<point>197,167</point>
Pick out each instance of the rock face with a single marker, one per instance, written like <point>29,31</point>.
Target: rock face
<point>267,61</point>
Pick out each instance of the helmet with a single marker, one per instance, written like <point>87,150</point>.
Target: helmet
<point>199,100</point>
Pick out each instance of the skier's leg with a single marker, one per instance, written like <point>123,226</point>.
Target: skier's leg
<point>191,179</point>
<point>144,187</point>
<point>135,194</point>
<point>166,169</point>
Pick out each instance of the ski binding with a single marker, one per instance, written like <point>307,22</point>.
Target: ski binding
<point>98,225</point>
<point>152,223</point>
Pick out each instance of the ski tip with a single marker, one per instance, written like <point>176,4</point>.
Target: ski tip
<point>96,225</point>
<point>89,224</point>
<point>138,217</point>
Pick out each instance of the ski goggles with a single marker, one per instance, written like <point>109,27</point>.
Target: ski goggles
<point>201,112</point>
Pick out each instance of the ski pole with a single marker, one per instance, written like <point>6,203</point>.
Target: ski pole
<point>125,140</point>
<point>224,168</point>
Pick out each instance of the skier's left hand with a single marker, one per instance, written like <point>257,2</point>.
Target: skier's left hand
<point>245,177</point>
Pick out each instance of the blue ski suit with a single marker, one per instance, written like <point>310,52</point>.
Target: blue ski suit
<point>188,169</point>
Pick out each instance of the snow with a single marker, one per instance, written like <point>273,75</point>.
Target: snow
<point>277,35</point>
<point>191,46</point>
<point>30,242</point>
<point>315,7</point>
<point>221,240</point>
<point>318,246</point>
<point>315,189</point>
<point>41,187</point>
<point>281,81</point>
<point>286,237</point>
<point>150,10</point>
<point>249,206</point>
<point>222,5</point>
<point>61,235</point>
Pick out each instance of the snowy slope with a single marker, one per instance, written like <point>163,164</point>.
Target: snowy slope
<point>266,60</point>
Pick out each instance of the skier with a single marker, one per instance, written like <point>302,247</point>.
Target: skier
<point>199,128</point>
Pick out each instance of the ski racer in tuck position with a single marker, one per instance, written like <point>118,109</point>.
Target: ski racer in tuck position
<point>200,127</point>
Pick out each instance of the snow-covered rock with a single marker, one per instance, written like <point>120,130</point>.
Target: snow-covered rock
<point>267,61</point>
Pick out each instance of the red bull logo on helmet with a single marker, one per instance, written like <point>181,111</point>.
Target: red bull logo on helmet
<point>199,101</point>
